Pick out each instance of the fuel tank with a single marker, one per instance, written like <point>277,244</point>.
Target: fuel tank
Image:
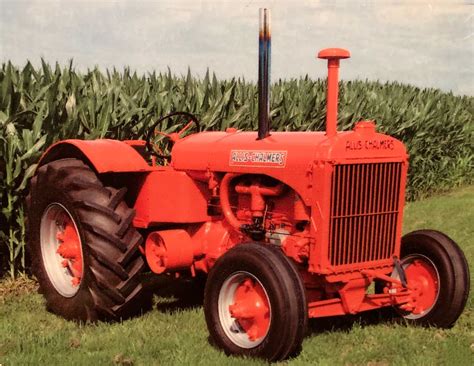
<point>286,156</point>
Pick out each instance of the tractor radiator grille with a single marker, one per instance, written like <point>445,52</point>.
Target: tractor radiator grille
<point>364,212</point>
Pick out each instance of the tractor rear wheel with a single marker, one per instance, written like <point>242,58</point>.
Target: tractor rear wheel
<point>83,247</point>
<point>255,303</point>
<point>437,269</point>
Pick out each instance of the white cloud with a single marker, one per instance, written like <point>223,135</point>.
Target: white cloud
<point>428,43</point>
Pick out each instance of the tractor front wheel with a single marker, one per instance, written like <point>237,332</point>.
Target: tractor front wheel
<point>84,250</point>
<point>255,303</point>
<point>437,272</point>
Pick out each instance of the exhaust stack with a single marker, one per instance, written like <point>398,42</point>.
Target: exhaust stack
<point>264,48</point>
<point>333,55</point>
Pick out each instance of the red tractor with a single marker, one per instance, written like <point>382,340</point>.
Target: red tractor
<point>286,225</point>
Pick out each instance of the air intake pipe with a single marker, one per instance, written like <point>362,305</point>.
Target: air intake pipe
<point>333,55</point>
<point>264,48</point>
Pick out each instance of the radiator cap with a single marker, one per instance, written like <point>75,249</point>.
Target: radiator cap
<point>365,127</point>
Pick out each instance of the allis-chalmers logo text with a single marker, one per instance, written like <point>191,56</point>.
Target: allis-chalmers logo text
<point>370,145</point>
<point>261,158</point>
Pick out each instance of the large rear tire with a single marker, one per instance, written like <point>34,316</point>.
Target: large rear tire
<point>437,268</point>
<point>255,303</point>
<point>84,249</point>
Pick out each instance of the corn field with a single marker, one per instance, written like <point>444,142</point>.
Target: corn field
<point>39,106</point>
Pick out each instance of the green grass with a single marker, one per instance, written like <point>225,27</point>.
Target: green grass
<point>173,334</point>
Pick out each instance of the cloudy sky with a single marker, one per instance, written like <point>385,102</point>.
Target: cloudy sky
<point>426,43</point>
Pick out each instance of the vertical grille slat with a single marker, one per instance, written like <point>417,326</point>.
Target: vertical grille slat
<point>344,248</point>
<point>364,212</point>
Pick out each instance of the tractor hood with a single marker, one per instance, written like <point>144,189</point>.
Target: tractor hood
<point>286,156</point>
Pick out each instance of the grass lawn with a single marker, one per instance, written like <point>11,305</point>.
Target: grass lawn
<point>175,333</point>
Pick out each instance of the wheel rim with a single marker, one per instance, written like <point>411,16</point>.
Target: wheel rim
<point>244,310</point>
<point>423,277</point>
<point>61,249</point>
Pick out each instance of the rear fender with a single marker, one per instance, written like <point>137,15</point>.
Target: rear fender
<point>105,156</point>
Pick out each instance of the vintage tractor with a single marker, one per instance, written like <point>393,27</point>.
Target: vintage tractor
<point>286,225</point>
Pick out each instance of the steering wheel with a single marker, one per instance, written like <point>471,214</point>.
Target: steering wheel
<point>173,137</point>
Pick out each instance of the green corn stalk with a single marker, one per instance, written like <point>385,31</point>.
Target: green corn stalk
<point>39,106</point>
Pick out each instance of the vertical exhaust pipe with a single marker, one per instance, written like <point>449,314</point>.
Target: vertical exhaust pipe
<point>264,48</point>
<point>333,55</point>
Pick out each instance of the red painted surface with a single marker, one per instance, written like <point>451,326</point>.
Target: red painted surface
<point>170,250</point>
<point>166,195</point>
<point>212,151</point>
<point>258,192</point>
<point>333,55</point>
<point>214,238</point>
<point>251,309</point>
<point>333,201</point>
<point>104,155</point>
<point>422,277</point>
<point>225,201</point>
<point>70,249</point>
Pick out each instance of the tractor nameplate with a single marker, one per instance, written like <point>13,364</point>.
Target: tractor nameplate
<point>370,145</point>
<point>258,158</point>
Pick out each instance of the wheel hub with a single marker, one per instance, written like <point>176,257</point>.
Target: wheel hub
<point>251,309</point>
<point>61,249</point>
<point>244,310</point>
<point>423,281</point>
<point>423,277</point>
<point>70,249</point>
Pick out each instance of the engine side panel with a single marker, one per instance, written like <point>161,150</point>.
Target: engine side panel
<point>290,157</point>
<point>169,196</point>
<point>286,157</point>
